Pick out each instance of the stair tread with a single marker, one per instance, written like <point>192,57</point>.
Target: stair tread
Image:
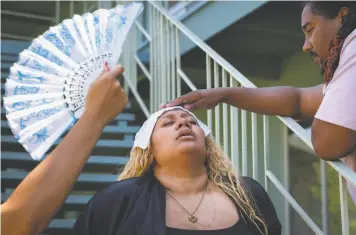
<point>71,199</point>
<point>126,143</point>
<point>120,117</point>
<point>129,129</point>
<point>13,47</point>
<point>24,156</point>
<point>61,224</point>
<point>6,65</point>
<point>83,178</point>
<point>9,58</point>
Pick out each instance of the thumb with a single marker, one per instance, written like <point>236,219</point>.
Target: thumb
<point>116,71</point>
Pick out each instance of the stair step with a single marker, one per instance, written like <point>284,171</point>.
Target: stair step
<point>13,47</point>
<point>4,76</point>
<point>60,227</point>
<point>120,117</point>
<point>22,160</point>
<point>86,181</point>
<point>126,143</point>
<point>9,58</point>
<point>72,203</point>
<point>110,129</point>
<point>5,66</point>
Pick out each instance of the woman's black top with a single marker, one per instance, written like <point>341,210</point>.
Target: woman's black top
<point>239,228</point>
<point>138,206</point>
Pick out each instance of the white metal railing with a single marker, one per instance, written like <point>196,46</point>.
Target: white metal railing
<point>165,75</point>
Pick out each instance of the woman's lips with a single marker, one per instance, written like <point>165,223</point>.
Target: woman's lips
<point>186,134</point>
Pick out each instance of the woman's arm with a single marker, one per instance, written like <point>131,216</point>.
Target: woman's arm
<point>41,194</point>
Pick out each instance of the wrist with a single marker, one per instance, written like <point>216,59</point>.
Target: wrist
<point>92,121</point>
<point>223,94</point>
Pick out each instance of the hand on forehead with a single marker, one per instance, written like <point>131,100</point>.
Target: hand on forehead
<point>143,136</point>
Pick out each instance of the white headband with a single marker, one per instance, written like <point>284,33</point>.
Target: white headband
<point>143,136</point>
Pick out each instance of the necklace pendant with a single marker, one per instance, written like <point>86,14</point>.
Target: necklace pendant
<point>193,219</point>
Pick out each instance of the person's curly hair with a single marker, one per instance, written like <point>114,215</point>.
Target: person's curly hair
<point>330,10</point>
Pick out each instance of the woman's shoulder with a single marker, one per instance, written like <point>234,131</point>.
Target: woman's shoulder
<point>263,203</point>
<point>256,191</point>
<point>253,186</point>
<point>120,189</point>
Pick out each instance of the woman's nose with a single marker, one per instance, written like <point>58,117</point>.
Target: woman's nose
<point>183,122</point>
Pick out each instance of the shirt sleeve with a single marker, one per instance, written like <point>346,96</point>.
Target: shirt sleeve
<point>339,103</point>
<point>264,205</point>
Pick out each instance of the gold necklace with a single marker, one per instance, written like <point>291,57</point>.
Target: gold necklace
<point>191,217</point>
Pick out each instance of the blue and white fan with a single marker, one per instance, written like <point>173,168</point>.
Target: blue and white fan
<point>46,88</point>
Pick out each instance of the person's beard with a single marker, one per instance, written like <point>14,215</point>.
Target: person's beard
<point>321,64</point>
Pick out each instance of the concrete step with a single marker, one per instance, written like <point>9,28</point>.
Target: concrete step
<point>22,160</point>
<point>13,47</point>
<point>59,227</point>
<point>86,181</point>
<point>72,203</point>
<point>5,66</point>
<point>121,128</point>
<point>127,142</point>
<point>4,76</point>
<point>120,117</point>
<point>110,132</point>
<point>106,147</point>
<point>9,58</point>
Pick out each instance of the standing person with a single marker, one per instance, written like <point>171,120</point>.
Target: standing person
<point>330,38</point>
<point>41,194</point>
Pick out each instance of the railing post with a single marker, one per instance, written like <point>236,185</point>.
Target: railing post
<point>217,108</point>
<point>57,11</point>
<point>324,197</point>
<point>285,159</point>
<point>71,8</point>
<point>85,6</point>
<point>208,86</point>
<point>150,25</point>
<point>345,225</point>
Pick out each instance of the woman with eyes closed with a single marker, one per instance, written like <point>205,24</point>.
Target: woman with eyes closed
<point>178,181</point>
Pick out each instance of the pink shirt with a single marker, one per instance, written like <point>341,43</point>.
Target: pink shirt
<point>339,103</point>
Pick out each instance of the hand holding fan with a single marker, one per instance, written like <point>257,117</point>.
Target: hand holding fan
<point>46,88</point>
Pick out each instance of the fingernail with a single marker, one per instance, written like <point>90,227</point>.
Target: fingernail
<point>107,66</point>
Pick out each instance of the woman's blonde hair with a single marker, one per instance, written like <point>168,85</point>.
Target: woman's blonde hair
<point>219,168</point>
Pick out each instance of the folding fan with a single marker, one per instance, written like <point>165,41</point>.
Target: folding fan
<point>46,88</point>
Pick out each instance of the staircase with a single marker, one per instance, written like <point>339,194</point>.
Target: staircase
<point>110,153</point>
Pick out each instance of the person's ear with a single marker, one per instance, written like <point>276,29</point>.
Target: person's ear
<point>343,13</point>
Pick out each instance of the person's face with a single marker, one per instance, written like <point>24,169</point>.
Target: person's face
<point>319,32</point>
<point>177,133</point>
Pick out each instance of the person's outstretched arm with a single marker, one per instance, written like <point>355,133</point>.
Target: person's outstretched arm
<point>330,140</point>
<point>283,101</point>
<point>41,194</point>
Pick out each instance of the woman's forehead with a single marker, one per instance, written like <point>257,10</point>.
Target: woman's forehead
<point>175,112</point>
